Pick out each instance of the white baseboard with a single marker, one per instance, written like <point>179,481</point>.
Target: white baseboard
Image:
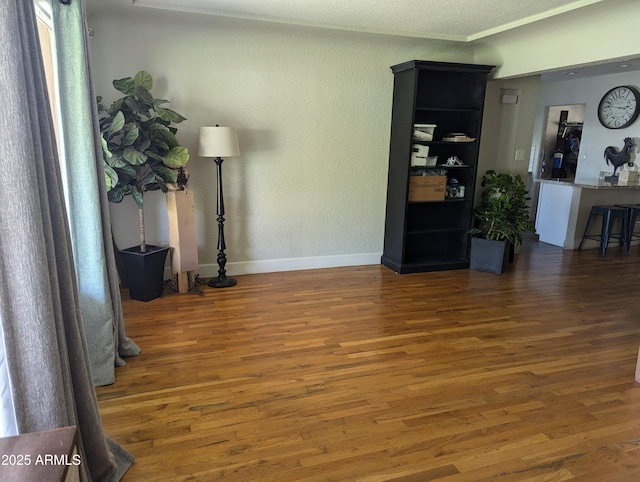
<point>288,264</point>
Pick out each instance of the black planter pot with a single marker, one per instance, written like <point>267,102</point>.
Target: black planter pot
<point>144,271</point>
<point>488,255</point>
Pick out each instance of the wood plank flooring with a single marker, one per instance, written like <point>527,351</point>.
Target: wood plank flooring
<point>359,374</point>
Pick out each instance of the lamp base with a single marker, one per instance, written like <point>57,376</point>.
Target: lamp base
<point>219,282</point>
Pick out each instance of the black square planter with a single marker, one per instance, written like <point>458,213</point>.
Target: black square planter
<point>144,271</point>
<point>488,255</point>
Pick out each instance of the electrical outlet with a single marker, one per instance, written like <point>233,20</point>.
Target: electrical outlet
<point>519,154</point>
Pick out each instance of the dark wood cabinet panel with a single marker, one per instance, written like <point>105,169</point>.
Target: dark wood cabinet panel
<point>432,235</point>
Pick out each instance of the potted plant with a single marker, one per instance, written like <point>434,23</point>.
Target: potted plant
<point>501,218</point>
<point>140,153</point>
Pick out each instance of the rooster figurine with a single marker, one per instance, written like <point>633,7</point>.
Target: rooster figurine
<point>618,158</point>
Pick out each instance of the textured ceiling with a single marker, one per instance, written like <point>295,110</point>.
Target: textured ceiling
<point>460,20</point>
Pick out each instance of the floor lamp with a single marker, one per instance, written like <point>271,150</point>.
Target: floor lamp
<point>219,142</point>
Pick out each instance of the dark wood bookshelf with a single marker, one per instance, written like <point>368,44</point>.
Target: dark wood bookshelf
<point>432,235</point>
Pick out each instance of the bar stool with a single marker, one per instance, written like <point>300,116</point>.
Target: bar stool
<point>609,215</point>
<point>633,210</point>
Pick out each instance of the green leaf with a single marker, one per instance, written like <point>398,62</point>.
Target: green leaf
<point>131,136</point>
<point>161,184</point>
<point>169,115</point>
<point>105,148</point>
<point>137,107</point>
<point>116,124</point>
<point>143,79</point>
<point>134,157</point>
<point>117,162</point>
<point>101,107</point>
<point>110,177</point>
<point>144,96</point>
<point>158,102</point>
<point>144,145</point>
<point>150,178</point>
<point>161,133</point>
<point>137,197</point>
<point>124,85</point>
<point>126,173</point>
<point>157,157</point>
<point>161,146</point>
<point>177,157</point>
<point>115,107</point>
<point>167,175</point>
<point>118,193</point>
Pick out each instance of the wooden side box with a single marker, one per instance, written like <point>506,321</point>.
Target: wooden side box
<point>182,236</point>
<point>427,188</point>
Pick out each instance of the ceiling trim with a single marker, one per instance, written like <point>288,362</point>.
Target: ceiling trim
<point>531,19</point>
<point>159,4</point>
<point>181,7</point>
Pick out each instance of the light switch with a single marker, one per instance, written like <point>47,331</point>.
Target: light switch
<point>519,154</point>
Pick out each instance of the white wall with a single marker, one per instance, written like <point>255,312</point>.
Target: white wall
<point>313,108</point>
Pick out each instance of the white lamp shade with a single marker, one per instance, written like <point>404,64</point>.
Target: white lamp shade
<point>218,142</point>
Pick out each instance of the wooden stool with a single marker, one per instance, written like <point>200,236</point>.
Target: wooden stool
<point>609,215</point>
<point>633,210</point>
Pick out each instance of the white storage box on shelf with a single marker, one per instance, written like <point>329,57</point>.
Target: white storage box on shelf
<point>423,132</point>
<point>419,155</point>
<point>432,160</point>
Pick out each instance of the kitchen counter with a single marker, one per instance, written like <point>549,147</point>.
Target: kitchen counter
<point>564,206</point>
<point>589,183</point>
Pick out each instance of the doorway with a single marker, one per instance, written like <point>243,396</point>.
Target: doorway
<point>562,139</point>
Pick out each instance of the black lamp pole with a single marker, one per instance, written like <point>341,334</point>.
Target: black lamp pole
<point>222,281</point>
<point>218,142</point>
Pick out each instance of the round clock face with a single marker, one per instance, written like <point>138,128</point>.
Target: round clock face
<point>619,108</point>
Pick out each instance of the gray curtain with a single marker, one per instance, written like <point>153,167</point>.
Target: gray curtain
<point>87,203</point>
<point>42,326</point>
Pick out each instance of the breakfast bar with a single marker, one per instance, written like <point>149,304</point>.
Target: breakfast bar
<point>564,207</point>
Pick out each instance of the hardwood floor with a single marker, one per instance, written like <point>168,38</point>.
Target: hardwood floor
<point>361,374</point>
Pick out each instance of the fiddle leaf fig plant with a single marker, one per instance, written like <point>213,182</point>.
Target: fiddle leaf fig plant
<point>140,150</point>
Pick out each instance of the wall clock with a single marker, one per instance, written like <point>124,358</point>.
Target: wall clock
<point>619,108</point>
